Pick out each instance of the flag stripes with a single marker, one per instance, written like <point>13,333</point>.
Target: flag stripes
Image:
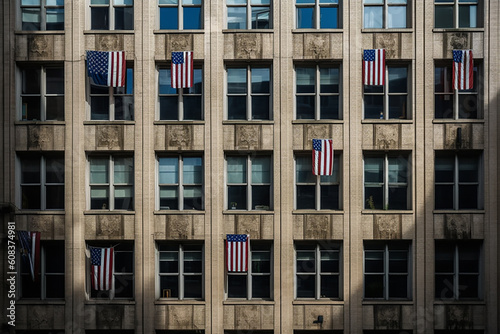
<point>463,69</point>
<point>30,250</point>
<point>107,68</point>
<point>322,157</point>
<point>374,67</point>
<point>101,268</point>
<point>182,69</point>
<point>237,248</point>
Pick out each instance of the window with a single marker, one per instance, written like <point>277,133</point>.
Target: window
<point>111,183</point>
<point>180,270</point>
<point>317,268</point>
<point>180,191</point>
<point>458,181</point>
<point>248,93</point>
<point>387,270</point>
<point>180,14</point>
<point>122,285</point>
<point>323,14</point>
<point>50,282</point>
<point>389,14</point>
<point>112,14</point>
<point>257,282</point>
<point>183,103</point>
<point>248,14</point>
<point>457,13</point>
<point>458,267</point>
<point>391,100</point>
<point>113,103</point>
<point>317,92</point>
<point>249,182</point>
<point>42,14</point>
<point>386,182</point>
<point>316,192</point>
<point>42,182</point>
<point>455,104</point>
<point>42,93</point>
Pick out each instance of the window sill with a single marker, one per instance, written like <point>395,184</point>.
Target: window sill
<point>466,211</point>
<point>177,31</point>
<point>318,121</point>
<point>386,30</point>
<point>458,30</point>
<point>317,301</point>
<point>179,302</point>
<point>317,212</point>
<point>460,302</point>
<point>179,212</point>
<point>317,30</point>
<point>39,32</point>
<point>179,122</point>
<point>40,302</point>
<point>108,122</point>
<point>248,302</point>
<point>455,121</point>
<point>41,212</point>
<point>387,212</point>
<point>247,31</point>
<point>247,212</point>
<point>110,301</point>
<point>39,123</point>
<point>107,212</point>
<point>390,301</point>
<point>386,121</point>
<point>98,32</point>
<point>232,122</point>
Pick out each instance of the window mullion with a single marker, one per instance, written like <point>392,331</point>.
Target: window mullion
<point>456,187</point>
<point>43,93</point>
<point>249,93</point>
<point>386,272</point>
<point>386,181</point>
<point>43,192</point>
<point>180,186</point>
<point>249,183</point>
<point>317,199</point>
<point>317,97</point>
<point>456,281</point>
<point>385,106</point>
<point>317,271</point>
<point>249,15</point>
<point>111,186</point>
<point>249,275</point>
<point>316,15</point>
<point>180,16</point>
<point>181,272</point>
<point>180,108</point>
<point>43,282</point>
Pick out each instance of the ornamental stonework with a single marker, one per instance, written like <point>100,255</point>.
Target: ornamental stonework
<point>40,47</point>
<point>247,137</point>
<point>387,227</point>
<point>247,46</point>
<point>109,226</point>
<point>179,136</point>
<point>109,137</point>
<point>39,137</point>
<point>387,137</point>
<point>387,316</point>
<point>178,42</point>
<point>317,46</point>
<point>109,42</point>
<point>457,226</point>
<point>109,316</point>
<point>389,42</point>
<point>459,317</point>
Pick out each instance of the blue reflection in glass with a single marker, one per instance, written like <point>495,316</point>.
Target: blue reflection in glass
<point>328,17</point>
<point>305,18</point>
<point>168,18</point>
<point>192,17</point>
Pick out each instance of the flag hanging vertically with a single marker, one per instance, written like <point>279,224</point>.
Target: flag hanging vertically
<point>374,67</point>
<point>182,69</point>
<point>30,250</point>
<point>101,263</point>
<point>106,68</point>
<point>463,69</point>
<point>237,248</point>
<point>322,156</point>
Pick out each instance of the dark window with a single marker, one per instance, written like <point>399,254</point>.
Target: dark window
<point>380,14</point>
<point>111,14</point>
<point>248,14</point>
<point>458,13</point>
<point>42,14</point>
<point>317,14</point>
<point>181,14</point>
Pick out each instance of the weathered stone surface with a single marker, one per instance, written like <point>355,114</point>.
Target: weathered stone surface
<point>109,137</point>
<point>40,47</point>
<point>248,137</point>
<point>459,317</point>
<point>387,316</point>
<point>243,317</point>
<point>387,136</point>
<point>178,226</point>
<point>316,46</point>
<point>457,226</point>
<point>390,42</point>
<point>34,137</point>
<point>257,226</point>
<point>109,42</point>
<point>248,46</point>
<point>41,317</point>
<point>109,316</point>
<point>305,315</point>
<point>179,137</point>
<point>109,226</point>
<point>317,227</point>
<point>387,227</point>
<point>178,42</point>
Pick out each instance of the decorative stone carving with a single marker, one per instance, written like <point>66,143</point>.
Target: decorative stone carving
<point>450,140</point>
<point>179,136</point>
<point>42,224</point>
<point>109,316</point>
<point>247,136</point>
<point>109,226</point>
<point>315,132</point>
<point>386,137</point>
<point>40,316</point>
<point>247,46</point>
<point>458,40</point>
<point>179,42</point>
<point>387,316</point>
<point>389,42</point>
<point>457,227</point>
<point>38,46</point>
<point>317,46</point>
<point>109,42</point>
<point>247,317</point>
<point>387,227</point>
<point>178,227</point>
<point>317,227</point>
<point>38,137</point>
<point>248,225</point>
<point>459,317</point>
<point>109,136</point>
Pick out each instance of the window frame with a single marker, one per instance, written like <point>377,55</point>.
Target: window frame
<point>255,246</point>
<point>43,7</point>
<point>386,185</point>
<point>317,13</point>
<point>385,13</point>
<point>111,14</point>
<point>319,247</point>
<point>248,14</point>
<point>180,93</point>
<point>407,112</point>
<point>248,182</point>
<point>110,185</point>
<point>456,13</point>
<point>180,181</point>
<point>42,283</point>
<point>384,247</point>
<point>249,92</point>
<point>180,14</point>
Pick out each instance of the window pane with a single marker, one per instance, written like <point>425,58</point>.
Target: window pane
<point>261,262</point>
<point>260,17</point>
<point>31,108</point>
<point>374,168</point>
<point>260,107</point>
<point>468,256</point>
<point>443,16</point>
<point>99,2</point>
<point>374,286</point>
<point>124,198</point>
<point>169,262</point>
<point>236,18</point>
<point>169,170</point>
<point>467,106</point>
<point>169,198</point>
<point>29,288</point>
<point>30,18</point>
<point>238,195</point>
<point>396,17</point>
<point>467,16</point>
<point>237,80</point>
<point>54,197</point>
<point>261,170</point>
<point>398,170</point>
<point>306,262</point>
<point>55,2</point>
<point>193,286</point>
<point>329,107</point>
<point>99,18</point>
<point>444,169</point>
<point>306,286</point>
<point>468,169</point>
<point>444,258</point>
<point>164,82</point>
<point>124,18</point>
<point>328,17</point>
<point>397,107</point>
<point>54,80</point>
<point>124,262</point>
<point>398,198</point>
<point>192,262</point>
<point>193,198</point>
<point>329,262</point>
<point>260,2</point>
<point>99,108</point>
<point>398,79</point>
<point>236,170</point>
<point>329,80</point>
<point>329,286</point>
<point>55,19</point>
<point>443,197</point>
<point>54,252</point>
<point>374,2</point>
<point>99,170</point>
<point>304,170</point>
<point>237,107</point>
<point>55,108</point>
<point>443,107</point>
<point>305,197</point>
<point>374,199</point>
<point>305,80</point>
<point>169,18</point>
<point>468,286</point>
<point>31,81</point>
<point>124,108</point>
<point>99,198</point>
<point>168,108</point>
<point>374,261</point>
<point>398,261</point>
<point>30,170</point>
<point>398,286</point>
<point>54,286</point>
<point>236,2</point>
<point>192,108</point>
<point>374,106</point>
<point>443,286</point>
<point>123,2</point>
<point>124,170</point>
<point>305,18</point>
<point>30,2</point>
<point>261,197</point>
<point>468,197</point>
<point>169,286</point>
<point>442,79</point>
<point>261,286</point>
<point>236,286</point>
<point>374,17</point>
<point>305,107</point>
<point>192,18</point>
<point>260,80</point>
<point>30,197</point>
<point>193,170</point>
<point>329,197</point>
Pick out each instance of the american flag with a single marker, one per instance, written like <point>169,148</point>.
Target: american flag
<point>182,69</point>
<point>107,68</point>
<point>463,69</point>
<point>374,67</point>
<point>101,263</point>
<point>322,156</point>
<point>237,248</point>
<point>30,250</point>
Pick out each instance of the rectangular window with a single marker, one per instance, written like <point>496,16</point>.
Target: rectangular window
<point>455,104</point>
<point>257,282</point>
<point>317,268</point>
<point>183,103</point>
<point>458,13</point>
<point>316,192</point>
<point>249,93</point>
<point>122,285</point>
<point>248,14</point>
<point>111,182</point>
<point>41,181</point>
<point>42,15</point>
<point>249,180</point>
<point>50,282</point>
<point>458,270</point>
<point>112,14</point>
<point>390,101</point>
<point>180,271</point>
<point>387,270</point>
<point>458,181</point>
<point>113,103</point>
<point>317,92</point>
<point>386,14</point>
<point>180,190</point>
<point>317,14</point>
<point>42,93</point>
<point>386,179</point>
<point>180,14</point>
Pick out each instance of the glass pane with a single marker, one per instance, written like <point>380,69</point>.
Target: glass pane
<point>193,286</point>
<point>374,199</point>
<point>99,170</point>
<point>396,17</point>
<point>305,79</point>
<point>443,17</point>
<point>99,2</point>
<point>260,80</point>
<point>303,167</point>
<point>236,2</point>
<point>193,262</point>
<point>168,108</point>
<point>168,2</point>
<point>468,286</point>
<point>236,170</point>
<point>99,18</point>
<point>164,82</point>
<point>99,198</point>
<point>236,107</point>
<point>124,198</point>
<point>398,170</point>
<point>192,18</point>
<point>444,258</point>
<point>305,18</point>
<point>374,106</point>
<point>305,106</point>
<point>123,2</point>
<point>31,81</point>
<point>260,18</point>
<point>306,286</point>
<point>443,106</point>
<point>374,261</point>
<point>54,197</point>
<point>328,1</point>
<point>169,170</point>
<point>236,18</point>
<point>30,197</point>
<point>442,80</point>
<point>30,18</point>
<point>124,170</point>
<point>467,16</point>
<point>374,2</point>
<point>374,168</point>
<point>443,286</point>
<point>54,286</point>
<point>467,106</point>
<point>124,108</point>
<point>124,18</point>
<point>193,198</point>
<point>30,170</point>
<point>261,286</point>
<point>259,2</point>
<point>374,17</point>
<point>398,286</point>
<point>237,80</point>
<point>169,198</point>
<point>55,252</point>
<point>261,198</point>
<point>468,258</point>
<point>329,107</point>
<point>261,170</point>
<point>443,197</point>
<point>30,2</point>
<point>55,19</point>
<point>398,79</point>
<point>169,286</point>
<point>169,18</point>
<point>237,197</point>
<point>329,262</point>
<point>191,2</point>
<point>192,108</point>
<point>31,108</point>
<point>124,262</point>
<point>329,286</point>
<point>29,288</point>
<point>329,197</point>
<point>329,80</point>
<point>55,2</point>
<point>398,261</point>
<point>444,169</point>
<point>197,87</point>
<point>306,262</point>
<point>193,170</point>
<point>328,17</point>
<point>54,170</point>
<point>260,107</point>
<point>398,198</point>
<point>305,1</point>
<point>261,262</point>
<point>99,108</point>
<point>306,197</point>
<point>237,286</point>
<point>468,169</point>
<point>374,286</point>
<point>397,1</point>
<point>54,80</point>
<point>169,262</point>
<point>398,107</point>
<point>468,197</point>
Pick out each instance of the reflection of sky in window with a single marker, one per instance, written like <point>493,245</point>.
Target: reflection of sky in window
<point>168,170</point>
<point>236,80</point>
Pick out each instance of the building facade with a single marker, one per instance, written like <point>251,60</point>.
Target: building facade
<point>403,238</point>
